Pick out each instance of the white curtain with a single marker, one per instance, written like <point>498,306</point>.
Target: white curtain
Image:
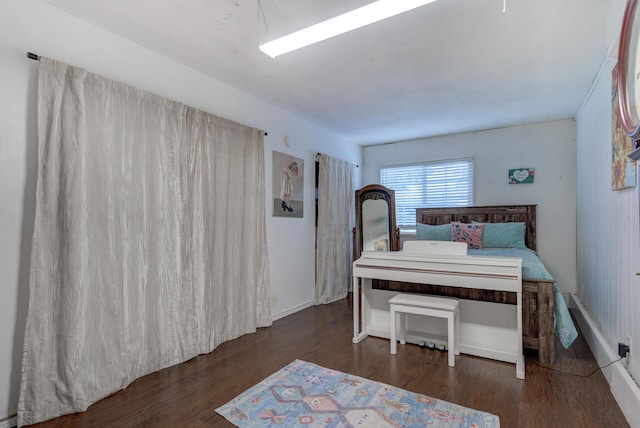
<point>336,186</point>
<point>149,243</point>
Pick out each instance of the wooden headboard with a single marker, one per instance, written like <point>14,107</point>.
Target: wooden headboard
<point>488,214</point>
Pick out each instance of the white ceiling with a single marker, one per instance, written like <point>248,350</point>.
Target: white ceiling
<point>447,67</point>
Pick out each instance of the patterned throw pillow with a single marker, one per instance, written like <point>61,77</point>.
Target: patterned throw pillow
<point>471,233</point>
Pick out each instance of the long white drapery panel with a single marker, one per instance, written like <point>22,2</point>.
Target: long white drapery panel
<point>149,243</point>
<point>336,184</point>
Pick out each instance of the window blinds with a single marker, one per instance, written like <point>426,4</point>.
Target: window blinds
<point>434,184</point>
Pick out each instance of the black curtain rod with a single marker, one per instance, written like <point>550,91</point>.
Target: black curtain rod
<point>36,57</point>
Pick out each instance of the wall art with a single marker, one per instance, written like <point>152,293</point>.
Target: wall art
<point>623,169</point>
<point>521,176</point>
<point>287,185</point>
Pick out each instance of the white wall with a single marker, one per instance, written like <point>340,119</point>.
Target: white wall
<point>548,147</point>
<point>608,223</point>
<point>30,25</point>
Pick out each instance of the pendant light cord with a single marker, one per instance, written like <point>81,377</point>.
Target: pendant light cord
<point>264,18</point>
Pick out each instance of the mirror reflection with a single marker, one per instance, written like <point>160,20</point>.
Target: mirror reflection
<point>375,228</point>
<point>375,225</point>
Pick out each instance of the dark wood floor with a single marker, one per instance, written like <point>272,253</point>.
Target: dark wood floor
<point>187,395</point>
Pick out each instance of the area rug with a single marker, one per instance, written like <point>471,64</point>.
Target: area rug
<point>305,394</point>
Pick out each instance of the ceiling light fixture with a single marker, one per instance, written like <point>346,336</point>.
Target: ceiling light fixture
<point>373,12</point>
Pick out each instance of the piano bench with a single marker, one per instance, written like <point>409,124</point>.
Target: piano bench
<point>402,304</point>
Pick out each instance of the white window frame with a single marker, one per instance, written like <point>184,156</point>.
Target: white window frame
<point>405,215</point>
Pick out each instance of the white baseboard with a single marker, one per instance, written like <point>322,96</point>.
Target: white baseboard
<point>288,312</point>
<point>11,422</point>
<point>624,389</point>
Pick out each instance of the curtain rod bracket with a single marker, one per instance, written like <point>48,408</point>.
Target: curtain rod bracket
<point>33,56</point>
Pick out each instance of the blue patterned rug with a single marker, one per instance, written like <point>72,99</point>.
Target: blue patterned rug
<point>304,394</point>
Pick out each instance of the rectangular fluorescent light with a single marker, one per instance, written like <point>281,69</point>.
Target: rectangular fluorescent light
<point>373,12</point>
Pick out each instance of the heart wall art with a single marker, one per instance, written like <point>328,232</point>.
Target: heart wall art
<point>521,176</point>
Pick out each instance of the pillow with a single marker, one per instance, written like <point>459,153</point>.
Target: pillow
<point>503,235</point>
<point>471,233</point>
<point>430,232</point>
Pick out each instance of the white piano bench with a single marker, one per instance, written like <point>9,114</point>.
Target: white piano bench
<point>402,304</point>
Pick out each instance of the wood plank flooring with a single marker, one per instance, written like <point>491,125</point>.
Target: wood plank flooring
<point>186,395</point>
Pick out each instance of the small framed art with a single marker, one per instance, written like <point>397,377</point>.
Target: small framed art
<point>521,176</point>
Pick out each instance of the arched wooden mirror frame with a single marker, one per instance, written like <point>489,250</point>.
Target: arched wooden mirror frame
<point>375,192</point>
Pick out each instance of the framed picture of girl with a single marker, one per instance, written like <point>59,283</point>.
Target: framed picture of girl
<point>287,185</point>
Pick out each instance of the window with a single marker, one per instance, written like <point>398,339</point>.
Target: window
<point>434,184</point>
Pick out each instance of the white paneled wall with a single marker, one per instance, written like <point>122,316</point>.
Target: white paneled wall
<point>608,230</point>
<point>608,242</point>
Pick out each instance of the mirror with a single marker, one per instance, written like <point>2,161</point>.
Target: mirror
<point>375,225</point>
<point>375,220</point>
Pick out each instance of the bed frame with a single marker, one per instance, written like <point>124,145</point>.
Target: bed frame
<point>537,295</point>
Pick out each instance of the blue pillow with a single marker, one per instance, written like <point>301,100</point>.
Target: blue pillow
<point>430,232</point>
<point>503,235</point>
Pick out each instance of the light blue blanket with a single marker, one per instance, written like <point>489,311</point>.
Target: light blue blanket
<point>533,268</point>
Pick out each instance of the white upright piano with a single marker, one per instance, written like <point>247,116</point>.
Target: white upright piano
<point>489,330</point>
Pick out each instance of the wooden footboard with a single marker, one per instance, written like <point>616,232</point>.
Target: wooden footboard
<point>537,319</point>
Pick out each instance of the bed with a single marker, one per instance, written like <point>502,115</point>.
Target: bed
<point>544,316</point>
